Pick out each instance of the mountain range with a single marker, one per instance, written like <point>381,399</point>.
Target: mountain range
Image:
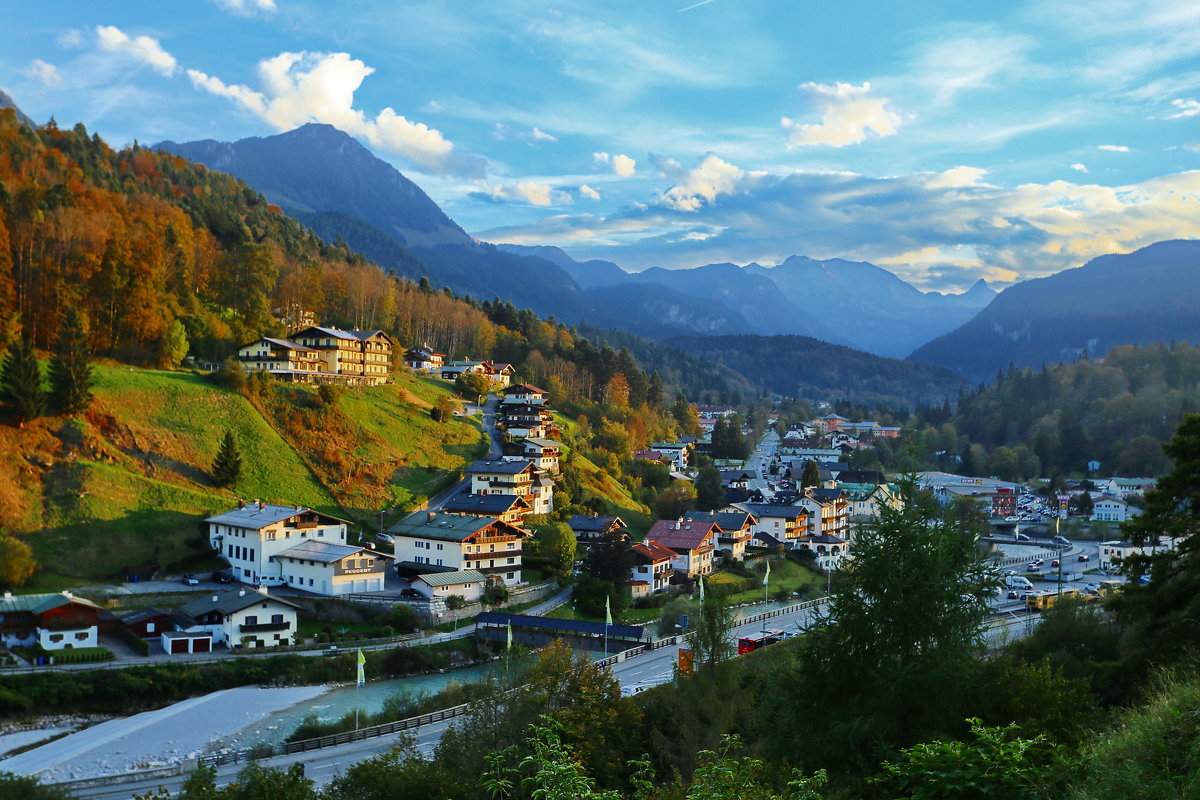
<point>329,181</point>
<point>333,184</point>
<point>1149,295</point>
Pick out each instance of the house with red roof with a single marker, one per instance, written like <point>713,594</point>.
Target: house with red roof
<point>692,542</point>
<point>651,571</point>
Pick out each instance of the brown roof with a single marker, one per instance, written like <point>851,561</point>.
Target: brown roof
<point>653,550</point>
<point>680,536</point>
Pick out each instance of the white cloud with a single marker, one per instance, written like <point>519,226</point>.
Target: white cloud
<point>588,192</point>
<point>246,8</point>
<point>538,194</point>
<point>539,135</point>
<point>39,70</point>
<point>503,133</point>
<point>71,39</point>
<point>1114,148</point>
<point>298,88</point>
<point>1193,146</point>
<point>992,231</point>
<point>702,185</point>
<point>142,48</point>
<point>955,177</point>
<point>621,165</point>
<point>964,58</point>
<point>1187,108</point>
<point>1079,167</point>
<point>848,112</point>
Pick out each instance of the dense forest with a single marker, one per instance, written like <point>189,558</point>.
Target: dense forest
<point>1117,410</point>
<point>797,366</point>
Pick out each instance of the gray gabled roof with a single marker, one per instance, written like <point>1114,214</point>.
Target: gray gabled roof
<point>446,527</point>
<point>256,518</point>
<point>40,603</point>
<point>229,602</point>
<point>456,578</point>
<point>761,510</point>
<point>500,466</point>
<point>483,504</point>
<point>325,552</point>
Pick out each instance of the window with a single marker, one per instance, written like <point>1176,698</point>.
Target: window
<point>245,573</point>
<point>439,547</point>
<point>277,618</point>
<point>512,561</point>
<point>149,627</point>
<point>510,575</point>
<point>56,637</point>
<point>251,620</point>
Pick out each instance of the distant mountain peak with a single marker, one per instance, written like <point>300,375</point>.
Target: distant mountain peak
<point>7,102</point>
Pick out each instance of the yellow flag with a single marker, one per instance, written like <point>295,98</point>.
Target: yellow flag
<point>510,636</point>
<point>767,576</point>
<point>362,660</point>
<point>608,611</point>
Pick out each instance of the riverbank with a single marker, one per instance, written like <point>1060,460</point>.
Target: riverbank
<point>155,738</point>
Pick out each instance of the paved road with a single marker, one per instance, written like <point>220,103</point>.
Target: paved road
<point>495,450</point>
<point>760,461</point>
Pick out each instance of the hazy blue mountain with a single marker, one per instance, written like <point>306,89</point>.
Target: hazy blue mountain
<point>799,366</point>
<point>329,180</point>
<point>318,168</point>
<point>755,298</point>
<point>868,307</point>
<point>7,102</point>
<point>1150,295</point>
<point>588,274</point>
<point>657,311</point>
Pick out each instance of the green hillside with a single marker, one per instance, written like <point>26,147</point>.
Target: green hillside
<point>127,484</point>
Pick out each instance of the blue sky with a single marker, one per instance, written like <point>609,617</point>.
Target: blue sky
<point>945,141</point>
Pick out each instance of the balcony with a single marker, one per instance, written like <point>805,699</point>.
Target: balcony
<point>265,627</point>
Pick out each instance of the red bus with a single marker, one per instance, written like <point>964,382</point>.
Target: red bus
<point>748,644</point>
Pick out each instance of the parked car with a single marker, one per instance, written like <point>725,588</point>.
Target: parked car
<point>1013,595</point>
<point>191,580</point>
<point>1084,557</point>
<point>412,593</point>
<point>222,577</point>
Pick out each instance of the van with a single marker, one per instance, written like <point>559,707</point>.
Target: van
<point>1018,582</point>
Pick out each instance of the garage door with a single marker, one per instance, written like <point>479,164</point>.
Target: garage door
<point>179,645</point>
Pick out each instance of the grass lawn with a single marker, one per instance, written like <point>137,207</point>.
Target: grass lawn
<point>631,616</point>
<point>785,576</point>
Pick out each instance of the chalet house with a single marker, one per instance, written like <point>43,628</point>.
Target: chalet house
<point>243,618</point>
<point>544,453</point>
<point>525,391</point>
<point>424,359</point>
<point>828,512</point>
<point>515,476</point>
<point>433,542</point>
<point>452,370</point>
<point>596,528</point>
<point>332,569</point>
<point>651,571</point>
<point>149,623</point>
<point>829,423</point>
<point>651,455</point>
<point>500,374</point>
<point>286,360</point>
<point>510,508</point>
<point>785,524</point>
<point>1113,509</point>
<point>358,358</point>
<point>271,545</point>
<point>736,529</point>
<point>523,416</point>
<point>736,478</point>
<point>469,584</point>
<point>692,542</point>
<point>866,499</point>
<point>55,621</point>
<point>676,453</point>
<point>1125,487</point>
<point>830,550</point>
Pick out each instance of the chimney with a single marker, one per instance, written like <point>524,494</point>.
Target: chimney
<point>241,592</point>
<point>432,516</point>
<point>241,503</point>
<point>215,598</point>
<point>261,589</point>
<point>679,523</point>
<point>67,594</point>
<point>261,505</point>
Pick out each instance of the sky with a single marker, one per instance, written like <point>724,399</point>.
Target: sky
<point>945,141</point>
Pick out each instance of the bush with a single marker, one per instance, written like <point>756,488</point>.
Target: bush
<point>456,601</point>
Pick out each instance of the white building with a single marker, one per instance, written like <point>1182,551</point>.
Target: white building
<point>55,621</point>
<point>1112,552</point>
<point>1113,509</point>
<point>269,545</point>
<point>469,584</point>
<point>429,542</point>
<point>244,618</point>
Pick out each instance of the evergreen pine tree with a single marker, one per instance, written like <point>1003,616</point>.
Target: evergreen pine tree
<point>70,371</point>
<point>227,467</point>
<point>811,476</point>
<point>21,381</point>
